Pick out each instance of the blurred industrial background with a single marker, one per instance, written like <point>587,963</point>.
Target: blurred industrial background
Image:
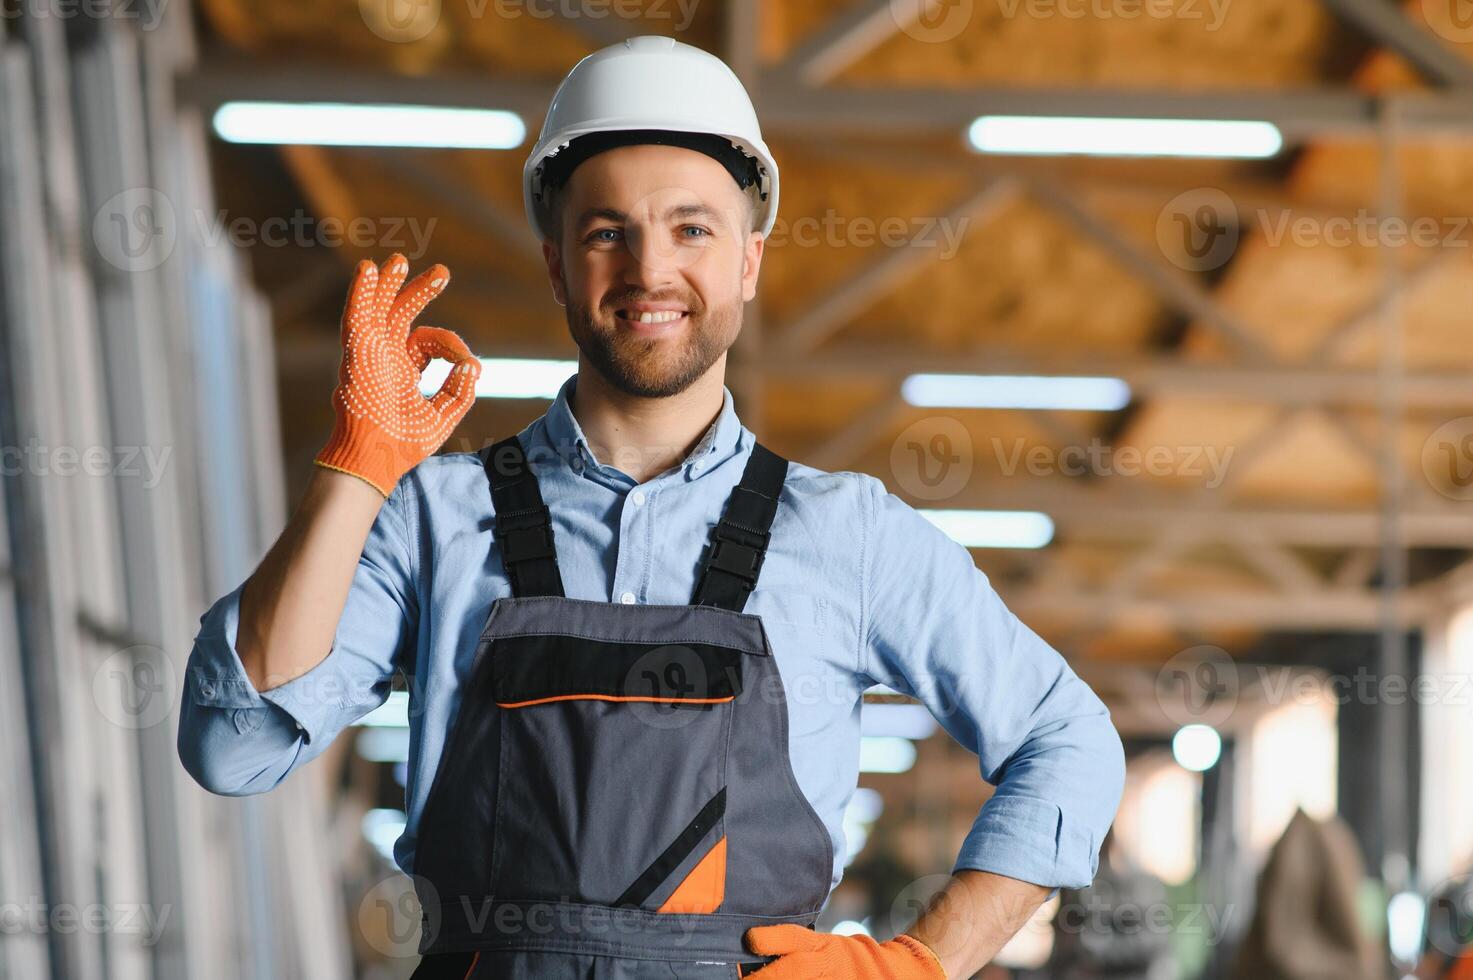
<point>1198,392</point>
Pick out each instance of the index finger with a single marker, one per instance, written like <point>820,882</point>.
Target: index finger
<point>412,300</point>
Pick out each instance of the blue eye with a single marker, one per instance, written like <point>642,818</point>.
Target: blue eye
<point>611,231</point>
<point>698,228</point>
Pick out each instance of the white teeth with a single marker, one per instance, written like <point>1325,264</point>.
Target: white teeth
<point>664,316</point>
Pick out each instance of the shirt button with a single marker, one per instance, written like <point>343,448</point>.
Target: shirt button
<point>207,689</point>
<point>627,598</point>
<point>299,727</point>
<point>638,498</point>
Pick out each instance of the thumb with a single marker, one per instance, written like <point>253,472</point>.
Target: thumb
<point>424,344</point>
<point>786,938</point>
<point>458,392</point>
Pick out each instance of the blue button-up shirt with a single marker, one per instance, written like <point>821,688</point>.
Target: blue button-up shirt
<point>857,589</point>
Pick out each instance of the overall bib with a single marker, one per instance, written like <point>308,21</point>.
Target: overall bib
<point>616,798</point>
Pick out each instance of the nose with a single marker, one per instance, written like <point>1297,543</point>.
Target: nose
<point>651,262</point>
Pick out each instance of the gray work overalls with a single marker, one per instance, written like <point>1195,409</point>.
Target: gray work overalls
<point>616,798</point>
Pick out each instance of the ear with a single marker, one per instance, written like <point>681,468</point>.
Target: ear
<point>752,264</point>
<point>552,255</point>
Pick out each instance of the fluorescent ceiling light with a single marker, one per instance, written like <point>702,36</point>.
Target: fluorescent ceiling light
<point>1058,135</point>
<point>507,377</point>
<point>383,744</point>
<point>341,124</point>
<point>994,528</point>
<point>912,721</point>
<point>886,754</point>
<point>393,713</point>
<point>1015,391</point>
<point>382,828</point>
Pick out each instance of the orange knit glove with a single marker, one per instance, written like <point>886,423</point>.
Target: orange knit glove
<point>803,954</point>
<point>385,425</point>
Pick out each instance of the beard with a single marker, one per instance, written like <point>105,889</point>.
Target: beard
<point>653,367</point>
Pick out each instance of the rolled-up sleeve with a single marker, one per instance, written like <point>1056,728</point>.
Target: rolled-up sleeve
<point>237,741</point>
<point>936,630</point>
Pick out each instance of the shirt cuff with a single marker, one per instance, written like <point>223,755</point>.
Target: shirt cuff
<point>218,679</point>
<point>1030,839</point>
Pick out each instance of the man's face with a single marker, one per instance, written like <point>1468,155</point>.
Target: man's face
<point>656,261</point>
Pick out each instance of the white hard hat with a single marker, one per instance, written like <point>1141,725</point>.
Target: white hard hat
<point>650,83</point>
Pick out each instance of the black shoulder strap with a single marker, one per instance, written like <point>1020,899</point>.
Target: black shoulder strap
<point>739,542</point>
<point>523,523</point>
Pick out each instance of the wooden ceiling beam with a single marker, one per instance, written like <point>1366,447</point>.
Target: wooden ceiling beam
<point>1147,374</point>
<point>808,111</point>
<point>896,266</point>
<point>1384,23</point>
<point>847,38</point>
<point>1337,609</point>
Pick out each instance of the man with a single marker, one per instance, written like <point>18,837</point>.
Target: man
<point>611,723</point>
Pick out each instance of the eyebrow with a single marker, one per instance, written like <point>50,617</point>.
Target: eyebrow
<point>679,211</point>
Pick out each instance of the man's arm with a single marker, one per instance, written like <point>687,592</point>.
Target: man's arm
<point>937,630</point>
<point>310,641</point>
<point>974,916</point>
<point>290,606</point>
<point>304,646</point>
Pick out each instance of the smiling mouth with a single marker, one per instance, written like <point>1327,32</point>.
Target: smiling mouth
<point>652,318</point>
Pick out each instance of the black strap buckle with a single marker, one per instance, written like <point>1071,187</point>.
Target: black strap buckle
<point>525,535</point>
<point>735,557</point>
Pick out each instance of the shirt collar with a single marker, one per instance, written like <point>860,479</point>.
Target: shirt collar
<point>722,438</point>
